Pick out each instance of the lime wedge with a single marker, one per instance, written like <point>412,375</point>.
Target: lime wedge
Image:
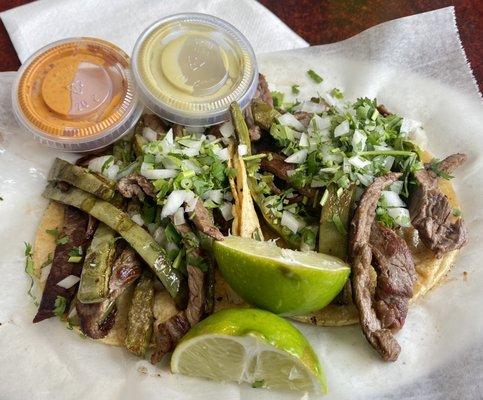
<point>283,281</point>
<point>252,346</point>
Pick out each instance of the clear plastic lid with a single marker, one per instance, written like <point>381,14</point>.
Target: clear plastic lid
<point>76,95</point>
<point>189,68</point>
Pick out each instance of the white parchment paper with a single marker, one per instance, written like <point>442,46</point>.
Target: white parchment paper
<point>420,73</point>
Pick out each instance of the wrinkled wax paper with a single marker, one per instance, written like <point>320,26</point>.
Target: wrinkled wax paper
<point>416,67</point>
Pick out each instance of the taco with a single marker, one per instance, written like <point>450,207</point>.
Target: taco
<point>123,251</point>
<point>128,234</point>
<point>347,179</point>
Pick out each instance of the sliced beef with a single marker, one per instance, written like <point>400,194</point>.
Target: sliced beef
<point>276,165</point>
<point>134,185</point>
<point>97,319</point>
<point>303,117</point>
<point>154,122</point>
<point>168,334</point>
<point>431,212</point>
<point>394,283</point>
<point>383,110</point>
<point>396,276</point>
<point>263,92</point>
<point>204,221</point>
<point>75,228</point>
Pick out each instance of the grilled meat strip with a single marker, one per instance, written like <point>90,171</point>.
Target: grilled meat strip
<point>395,273</point>
<point>134,185</point>
<point>396,276</point>
<point>97,319</point>
<point>75,229</point>
<point>276,165</point>
<point>431,212</point>
<point>204,222</point>
<point>263,92</point>
<point>167,334</point>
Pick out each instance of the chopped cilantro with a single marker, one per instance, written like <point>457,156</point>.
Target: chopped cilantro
<point>277,99</point>
<point>315,77</point>
<point>258,384</point>
<point>339,225</point>
<point>457,212</point>
<point>29,268</point>
<point>295,89</point>
<point>53,232</point>
<point>60,304</point>
<point>172,236</point>
<point>230,172</point>
<point>63,240</point>
<point>337,93</point>
<point>435,167</point>
<point>107,163</point>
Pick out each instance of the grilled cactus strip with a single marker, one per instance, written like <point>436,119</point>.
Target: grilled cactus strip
<point>94,282</point>
<point>331,240</point>
<point>140,317</point>
<point>82,178</point>
<point>139,239</point>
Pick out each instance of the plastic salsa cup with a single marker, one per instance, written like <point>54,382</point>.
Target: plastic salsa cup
<point>76,95</point>
<point>189,68</point>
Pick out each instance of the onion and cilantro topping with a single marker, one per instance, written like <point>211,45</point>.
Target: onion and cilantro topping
<point>343,144</point>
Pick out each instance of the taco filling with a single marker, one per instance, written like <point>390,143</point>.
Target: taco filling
<point>124,251</point>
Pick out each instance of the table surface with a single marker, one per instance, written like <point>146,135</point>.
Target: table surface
<point>327,21</point>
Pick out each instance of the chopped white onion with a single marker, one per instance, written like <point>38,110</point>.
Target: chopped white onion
<point>311,107</point>
<point>365,179</point>
<point>304,140</point>
<point>190,166</point>
<point>320,123</point>
<point>170,246</point>
<point>328,170</point>
<point>359,140</point>
<point>191,204</point>
<point>227,130</point>
<point>178,217</point>
<point>149,134</point>
<point>169,137</point>
<point>158,173</point>
<point>138,219</point>
<point>68,281</point>
<point>342,129</point>
<point>397,187</point>
<point>290,221</point>
<point>358,162</point>
<point>174,201</point>
<point>223,154</point>
<point>242,150</point>
<point>337,158</point>
<point>400,216</point>
<point>191,144</point>
<point>392,199</point>
<point>298,157</point>
<point>190,152</point>
<point>389,162</point>
<point>226,211</point>
<point>168,162</point>
<point>44,272</point>
<point>97,163</point>
<point>288,119</point>
<point>111,172</point>
<point>215,196</point>
<point>210,138</point>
